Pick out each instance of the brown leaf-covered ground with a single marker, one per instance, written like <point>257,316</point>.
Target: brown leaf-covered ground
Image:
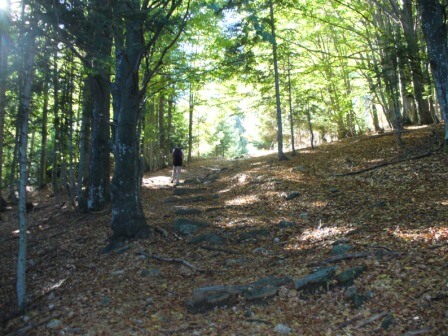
<point>401,208</point>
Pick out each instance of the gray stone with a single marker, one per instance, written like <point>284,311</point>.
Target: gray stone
<point>292,195</point>
<point>340,249</point>
<point>348,277</point>
<point>260,293</point>
<point>316,280</point>
<point>286,224</point>
<point>188,227</point>
<point>187,191</point>
<point>185,211</point>
<point>207,238</point>
<point>334,190</point>
<point>105,301</point>
<point>282,329</point>
<point>239,261</point>
<point>388,321</point>
<point>353,295</point>
<point>253,235</point>
<point>380,204</point>
<point>54,324</point>
<point>151,272</point>
<point>304,215</point>
<point>273,281</point>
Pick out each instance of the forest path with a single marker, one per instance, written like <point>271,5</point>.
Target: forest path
<point>252,223</point>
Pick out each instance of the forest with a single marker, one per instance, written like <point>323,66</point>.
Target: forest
<point>262,96</point>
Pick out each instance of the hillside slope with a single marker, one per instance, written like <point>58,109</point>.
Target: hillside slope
<point>362,207</point>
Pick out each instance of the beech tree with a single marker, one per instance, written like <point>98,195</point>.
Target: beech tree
<point>435,30</point>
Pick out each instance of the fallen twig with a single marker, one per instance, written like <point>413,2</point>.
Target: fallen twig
<point>174,260</point>
<point>384,164</point>
<point>370,320</point>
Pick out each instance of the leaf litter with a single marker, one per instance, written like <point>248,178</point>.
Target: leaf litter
<point>393,217</point>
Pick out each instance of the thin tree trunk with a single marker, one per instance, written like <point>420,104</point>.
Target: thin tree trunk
<point>84,141</point>
<point>291,112</point>
<point>190,123</point>
<point>56,139</point>
<point>281,155</point>
<point>44,133</point>
<point>4,32</point>
<point>23,116</point>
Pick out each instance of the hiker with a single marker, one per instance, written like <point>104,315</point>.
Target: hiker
<point>178,156</point>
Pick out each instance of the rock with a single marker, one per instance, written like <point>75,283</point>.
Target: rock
<point>54,324</point>
<point>282,329</point>
<point>286,224</point>
<point>187,227</point>
<point>105,301</point>
<point>388,321</point>
<point>304,215</point>
<point>210,238</point>
<point>348,277</point>
<point>334,190</point>
<point>262,250</point>
<point>206,298</point>
<point>260,293</point>
<point>353,295</point>
<point>151,272</point>
<point>379,204</point>
<point>273,281</point>
<point>292,195</point>
<point>185,211</point>
<point>239,261</point>
<point>318,279</point>
<point>187,191</point>
<point>298,169</point>
<point>340,249</point>
<point>253,235</point>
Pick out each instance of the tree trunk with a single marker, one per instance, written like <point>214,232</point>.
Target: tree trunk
<point>435,32</point>
<point>127,217</point>
<point>291,112</point>
<point>4,33</point>
<point>410,35</point>
<point>42,180</point>
<point>190,123</point>
<point>84,141</point>
<point>23,116</point>
<point>281,155</point>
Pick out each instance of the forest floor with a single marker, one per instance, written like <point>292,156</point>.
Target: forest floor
<point>259,217</point>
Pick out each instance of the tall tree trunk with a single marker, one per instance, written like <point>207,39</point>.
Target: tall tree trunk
<point>42,180</point>
<point>410,35</point>
<point>281,155</point>
<point>57,125</point>
<point>84,141</point>
<point>190,123</point>
<point>4,53</point>
<point>127,218</point>
<point>435,31</point>
<point>291,112</point>
<point>23,116</point>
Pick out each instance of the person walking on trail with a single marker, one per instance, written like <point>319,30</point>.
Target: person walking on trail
<point>178,157</point>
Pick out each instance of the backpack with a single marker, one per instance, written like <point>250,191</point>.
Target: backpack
<point>177,157</point>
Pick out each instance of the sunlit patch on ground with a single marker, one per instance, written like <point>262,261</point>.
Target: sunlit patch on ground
<point>316,235</point>
<point>433,234</point>
<point>244,200</point>
<point>156,181</point>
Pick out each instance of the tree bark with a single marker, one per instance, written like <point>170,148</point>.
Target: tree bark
<point>435,32</point>
<point>23,116</point>
<point>4,31</point>
<point>281,155</point>
<point>127,217</point>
